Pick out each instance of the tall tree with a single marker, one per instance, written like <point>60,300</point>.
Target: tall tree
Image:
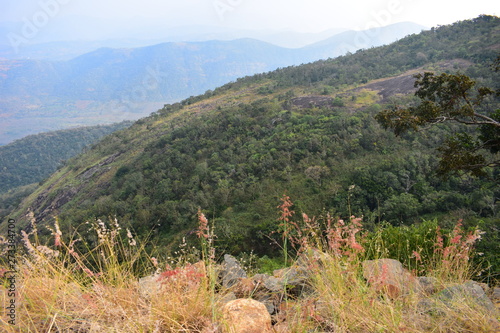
<point>453,98</point>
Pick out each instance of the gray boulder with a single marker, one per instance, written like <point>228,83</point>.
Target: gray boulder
<point>232,272</point>
<point>469,292</point>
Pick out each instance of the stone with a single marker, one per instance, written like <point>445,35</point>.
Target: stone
<point>269,301</point>
<point>495,296</point>
<point>427,285</point>
<point>149,286</point>
<point>244,288</point>
<point>294,276</point>
<point>469,292</point>
<point>388,276</point>
<point>246,316</point>
<point>271,283</point>
<point>226,298</point>
<point>314,258</point>
<point>232,271</point>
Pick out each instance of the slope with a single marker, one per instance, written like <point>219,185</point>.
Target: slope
<point>308,130</point>
<point>35,157</point>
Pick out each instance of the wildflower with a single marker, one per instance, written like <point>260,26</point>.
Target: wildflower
<point>27,243</point>
<point>117,225</point>
<point>88,272</point>
<point>456,239</point>
<point>203,229</point>
<point>355,245</point>
<point>154,261</point>
<point>47,252</point>
<point>131,240</point>
<point>286,213</point>
<point>32,219</point>
<point>71,249</point>
<point>473,237</point>
<point>438,246</point>
<point>57,234</point>
<point>417,256</point>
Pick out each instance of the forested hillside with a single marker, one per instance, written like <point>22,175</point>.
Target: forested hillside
<point>32,159</point>
<point>36,157</point>
<point>308,131</point>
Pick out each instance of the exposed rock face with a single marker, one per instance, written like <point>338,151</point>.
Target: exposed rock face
<point>294,275</point>
<point>427,285</point>
<point>246,316</point>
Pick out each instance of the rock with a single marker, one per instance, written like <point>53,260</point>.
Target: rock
<point>227,298</point>
<point>485,286</point>
<point>244,288</point>
<point>314,258</point>
<point>269,301</point>
<point>295,275</point>
<point>388,276</point>
<point>271,283</point>
<point>495,297</point>
<point>232,271</point>
<point>246,316</point>
<point>469,292</point>
<point>149,286</point>
<point>427,285</point>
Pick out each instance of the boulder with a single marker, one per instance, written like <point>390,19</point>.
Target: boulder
<point>470,293</point>
<point>388,276</point>
<point>149,285</point>
<point>314,258</point>
<point>232,271</point>
<point>246,316</point>
<point>495,297</point>
<point>270,283</point>
<point>427,285</point>
<point>226,298</point>
<point>293,276</point>
<point>244,287</point>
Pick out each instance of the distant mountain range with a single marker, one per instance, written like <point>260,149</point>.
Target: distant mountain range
<point>114,84</point>
<point>68,47</point>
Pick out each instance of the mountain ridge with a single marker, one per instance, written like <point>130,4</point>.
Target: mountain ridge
<point>124,84</point>
<point>302,129</point>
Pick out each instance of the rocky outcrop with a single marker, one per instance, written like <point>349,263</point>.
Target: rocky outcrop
<point>249,303</point>
<point>232,271</point>
<point>246,316</point>
<point>495,297</point>
<point>470,293</point>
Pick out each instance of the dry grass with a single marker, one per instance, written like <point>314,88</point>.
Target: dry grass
<point>62,289</point>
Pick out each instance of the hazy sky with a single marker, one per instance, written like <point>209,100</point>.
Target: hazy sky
<point>297,15</point>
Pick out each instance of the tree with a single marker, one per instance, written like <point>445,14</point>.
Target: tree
<point>453,98</point>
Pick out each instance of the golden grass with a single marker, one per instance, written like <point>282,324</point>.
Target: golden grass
<point>99,291</point>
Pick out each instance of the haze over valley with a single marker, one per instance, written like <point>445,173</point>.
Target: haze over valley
<point>114,84</point>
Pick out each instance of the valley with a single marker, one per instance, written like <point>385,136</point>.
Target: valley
<point>113,84</point>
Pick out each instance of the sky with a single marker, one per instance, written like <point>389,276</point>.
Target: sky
<point>277,15</point>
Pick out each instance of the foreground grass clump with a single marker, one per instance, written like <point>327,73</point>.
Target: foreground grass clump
<point>72,287</point>
<point>66,288</point>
